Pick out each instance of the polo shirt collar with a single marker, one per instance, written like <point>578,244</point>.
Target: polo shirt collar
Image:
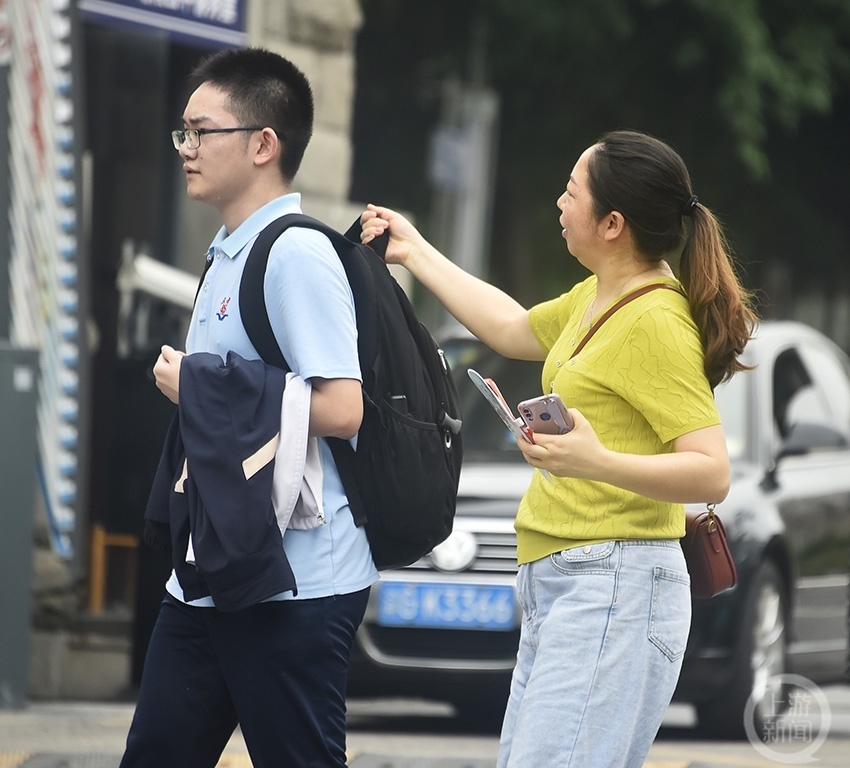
<point>232,244</point>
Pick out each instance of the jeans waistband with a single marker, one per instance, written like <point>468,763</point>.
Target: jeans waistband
<point>648,542</point>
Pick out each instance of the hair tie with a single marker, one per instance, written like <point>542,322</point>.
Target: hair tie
<point>688,209</point>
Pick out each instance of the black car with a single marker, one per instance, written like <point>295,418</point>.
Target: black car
<point>448,626</point>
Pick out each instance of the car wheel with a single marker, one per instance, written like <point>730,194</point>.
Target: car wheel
<point>760,658</point>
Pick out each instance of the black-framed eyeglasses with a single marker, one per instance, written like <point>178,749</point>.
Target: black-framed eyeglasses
<point>192,136</point>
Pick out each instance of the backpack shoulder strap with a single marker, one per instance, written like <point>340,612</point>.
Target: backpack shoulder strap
<point>252,299</point>
<point>255,318</point>
<point>252,302</point>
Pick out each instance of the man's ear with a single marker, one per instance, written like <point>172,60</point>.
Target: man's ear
<point>269,148</point>
<point>613,225</point>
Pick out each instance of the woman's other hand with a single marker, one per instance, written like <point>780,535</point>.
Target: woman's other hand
<point>578,453</point>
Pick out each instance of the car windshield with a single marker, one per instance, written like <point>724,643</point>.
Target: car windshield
<point>486,439</point>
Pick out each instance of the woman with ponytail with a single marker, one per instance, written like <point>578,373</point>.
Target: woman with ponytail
<point>602,579</point>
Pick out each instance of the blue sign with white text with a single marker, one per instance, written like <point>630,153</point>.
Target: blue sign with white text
<point>219,22</point>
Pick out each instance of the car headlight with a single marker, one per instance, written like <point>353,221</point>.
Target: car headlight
<point>456,553</point>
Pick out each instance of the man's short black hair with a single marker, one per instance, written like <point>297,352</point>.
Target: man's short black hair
<point>263,88</point>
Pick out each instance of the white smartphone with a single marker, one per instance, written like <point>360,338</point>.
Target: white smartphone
<point>488,388</point>
<point>546,414</point>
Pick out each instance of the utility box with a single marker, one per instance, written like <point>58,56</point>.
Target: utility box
<point>18,397</point>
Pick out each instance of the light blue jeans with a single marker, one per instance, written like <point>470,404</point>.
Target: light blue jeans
<point>603,635</point>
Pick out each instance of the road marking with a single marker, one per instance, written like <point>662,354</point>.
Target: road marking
<point>13,759</point>
<point>17,759</point>
<point>226,761</point>
<point>666,764</point>
<point>234,761</point>
<point>715,761</point>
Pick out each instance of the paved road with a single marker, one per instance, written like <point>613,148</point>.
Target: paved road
<point>392,734</point>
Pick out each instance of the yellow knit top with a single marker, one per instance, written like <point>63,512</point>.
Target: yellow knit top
<point>640,383</point>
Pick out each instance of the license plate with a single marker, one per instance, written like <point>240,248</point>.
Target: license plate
<point>449,606</point>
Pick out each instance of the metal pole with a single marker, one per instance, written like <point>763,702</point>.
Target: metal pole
<point>18,394</point>
<point>5,249</point>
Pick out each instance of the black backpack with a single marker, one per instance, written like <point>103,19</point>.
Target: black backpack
<point>402,480</point>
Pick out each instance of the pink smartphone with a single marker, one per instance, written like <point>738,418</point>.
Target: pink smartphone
<point>546,414</point>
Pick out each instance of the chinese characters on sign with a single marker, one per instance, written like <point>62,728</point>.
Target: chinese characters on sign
<point>220,22</point>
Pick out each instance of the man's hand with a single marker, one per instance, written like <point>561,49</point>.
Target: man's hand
<point>166,371</point>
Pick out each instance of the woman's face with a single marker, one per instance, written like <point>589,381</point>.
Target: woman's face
<point>579,225</point>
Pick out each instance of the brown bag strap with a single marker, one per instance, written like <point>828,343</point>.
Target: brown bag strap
<point>625,300</point>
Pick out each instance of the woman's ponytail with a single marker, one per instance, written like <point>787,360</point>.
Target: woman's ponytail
<point>721,307</point>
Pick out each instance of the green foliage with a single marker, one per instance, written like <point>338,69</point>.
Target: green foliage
<point>753,93</point>
<point>764,61</point>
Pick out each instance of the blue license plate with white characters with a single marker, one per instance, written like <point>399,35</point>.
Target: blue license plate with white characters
<point>447,606</point>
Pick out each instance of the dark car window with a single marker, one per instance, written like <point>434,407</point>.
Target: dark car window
<point>833,388</point>
<point>811,397</point>
<point>795,398</point>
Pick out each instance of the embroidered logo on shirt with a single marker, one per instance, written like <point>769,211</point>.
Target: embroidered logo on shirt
<point>222,312</point>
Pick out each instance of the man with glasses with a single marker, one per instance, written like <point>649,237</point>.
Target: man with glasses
<point>278,669</point>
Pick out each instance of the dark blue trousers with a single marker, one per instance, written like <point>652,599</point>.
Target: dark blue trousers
<point>278,670</point>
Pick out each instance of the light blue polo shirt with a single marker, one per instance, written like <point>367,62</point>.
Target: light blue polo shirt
<point>311,310</point>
